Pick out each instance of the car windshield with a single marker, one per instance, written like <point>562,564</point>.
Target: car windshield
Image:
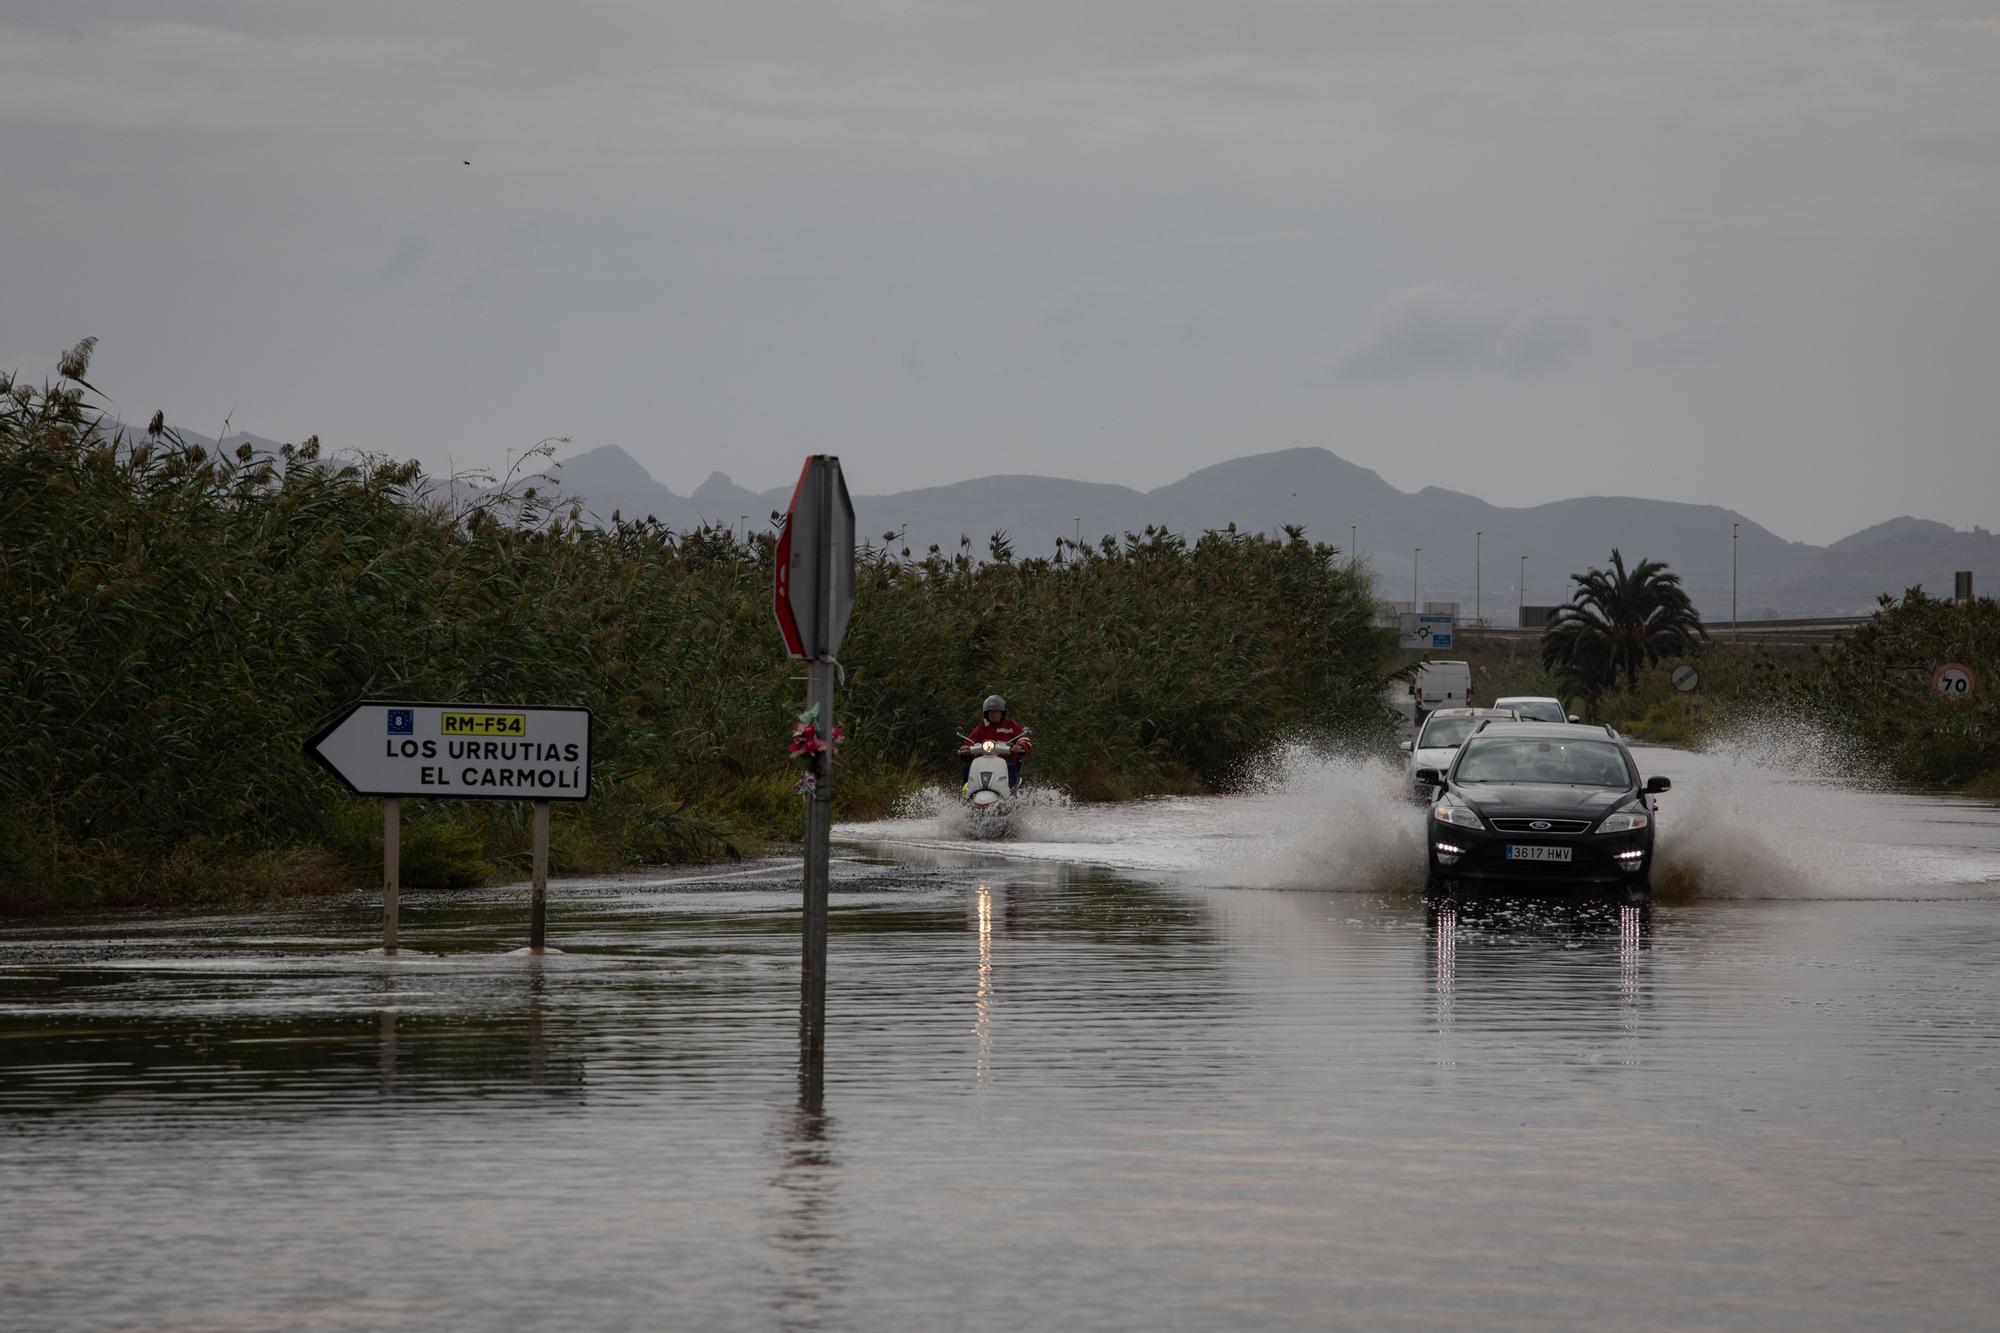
<point>1538,711</point>
<point>1522,759</point>
<point>1444,732</point>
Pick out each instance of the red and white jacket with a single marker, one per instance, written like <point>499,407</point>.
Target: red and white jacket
<point>1006,731</point>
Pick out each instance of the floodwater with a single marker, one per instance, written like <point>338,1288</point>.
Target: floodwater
<point>1182,1064</point>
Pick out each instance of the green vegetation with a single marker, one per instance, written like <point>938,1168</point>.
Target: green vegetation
<point>1875,685</point>
<point>1872,688</point>
<point>1737,681</point>
<point>176,622</point>
<point>1617,622</point>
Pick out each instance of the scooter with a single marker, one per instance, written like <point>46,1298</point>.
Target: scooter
<point>987,795</point>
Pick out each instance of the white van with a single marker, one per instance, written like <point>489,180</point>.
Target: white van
<point>1537,708</point>
<point>1442,685</point>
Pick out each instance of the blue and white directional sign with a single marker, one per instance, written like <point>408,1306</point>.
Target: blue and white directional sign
<point>1429,630</point>
<point>494,752</point>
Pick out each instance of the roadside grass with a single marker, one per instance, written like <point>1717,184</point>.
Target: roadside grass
<point>1984,786</point>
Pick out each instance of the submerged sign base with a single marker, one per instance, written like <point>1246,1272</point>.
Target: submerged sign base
<point>479,752</point>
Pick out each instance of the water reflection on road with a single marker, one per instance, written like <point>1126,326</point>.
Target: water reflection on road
<point>1057,1095</point>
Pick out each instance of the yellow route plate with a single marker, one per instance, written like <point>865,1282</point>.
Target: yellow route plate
<point>483,724</point>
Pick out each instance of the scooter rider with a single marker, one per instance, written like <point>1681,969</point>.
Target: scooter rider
<point>1005,730</point>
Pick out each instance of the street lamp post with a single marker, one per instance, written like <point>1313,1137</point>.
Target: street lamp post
<point>1416,607</point>
<point>1478,541</point>
<point>1521,613</point>
<point>1734,533</point>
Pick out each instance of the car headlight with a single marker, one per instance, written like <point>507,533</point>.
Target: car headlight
<point>1623,822</point>
<point>1463,816</point>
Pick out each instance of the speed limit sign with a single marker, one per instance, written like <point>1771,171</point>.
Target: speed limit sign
<point>1953,680</point>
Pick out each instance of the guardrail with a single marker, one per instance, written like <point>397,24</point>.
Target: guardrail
<point>1797,629</point>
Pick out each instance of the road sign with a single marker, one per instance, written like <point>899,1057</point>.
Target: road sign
<point>1428,631</point>
<point>812,595</point>
<point>505,752</point>
<point>1686,679</point>
<point>1953,680</point>
<point>819,525</point>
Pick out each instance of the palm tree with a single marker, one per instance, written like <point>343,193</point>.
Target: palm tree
<point>1619,621</point>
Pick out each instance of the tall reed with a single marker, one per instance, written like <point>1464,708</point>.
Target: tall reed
<point>175,622</point>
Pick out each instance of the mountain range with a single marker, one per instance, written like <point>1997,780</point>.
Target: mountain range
<point>1342,503</point>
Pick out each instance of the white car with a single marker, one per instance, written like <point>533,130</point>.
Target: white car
<point>1438,740</point>
<point>1537,708</point>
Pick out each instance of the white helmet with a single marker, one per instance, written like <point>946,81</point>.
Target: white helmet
<point>993,702</point>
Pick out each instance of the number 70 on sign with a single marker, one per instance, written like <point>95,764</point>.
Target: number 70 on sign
<point>1953,680</point>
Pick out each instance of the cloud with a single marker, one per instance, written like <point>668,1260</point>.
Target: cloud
<point>410,254</point>
<point>1953,147</point>
<point>1434,329</point>
<point>1087,321</point>
<point>1537,345</point>
<point>27,364</point>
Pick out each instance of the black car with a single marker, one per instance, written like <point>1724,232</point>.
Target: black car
<point>1554,803</point>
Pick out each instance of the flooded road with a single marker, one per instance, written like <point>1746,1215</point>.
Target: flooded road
<point>1181,1064</point>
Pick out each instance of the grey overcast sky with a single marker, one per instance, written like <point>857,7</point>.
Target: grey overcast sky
<point>1741,251</point>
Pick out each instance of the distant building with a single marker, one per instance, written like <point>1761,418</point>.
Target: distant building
<point>1538,617</point>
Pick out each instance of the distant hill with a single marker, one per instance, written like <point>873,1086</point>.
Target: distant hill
<point>1329,496</point>
<point>1896,529</point>
<point>228,444</point>
<point>1849,574</point>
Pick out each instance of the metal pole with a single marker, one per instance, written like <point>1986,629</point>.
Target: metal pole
<point>1733,527</point>
<point>1521,612</point>
<point>819,806</point>
<point>819,824</point>
<point>538,918</point>
<point>1415,605</point>
<point>1971,605</point>
<point>1478,542</point>
<point>392,866</point>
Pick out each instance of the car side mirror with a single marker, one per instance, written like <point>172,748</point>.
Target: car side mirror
<point>1430,776</point>
<point>1657,785</point>
<point>1404,745</point>
<point>1574,718</point>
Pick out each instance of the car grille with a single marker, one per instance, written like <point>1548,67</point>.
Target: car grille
<point>1547,825</point>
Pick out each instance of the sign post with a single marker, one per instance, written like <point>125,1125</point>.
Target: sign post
<point>392,857</point>
<point>478,752</point>
<point>1687,680</point>
<point>538,908</point>
<point>812,597</point>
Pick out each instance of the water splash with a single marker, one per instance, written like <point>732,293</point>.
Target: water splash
<point>1319,819</point>
<point>1303,818</point>
<point>1771,809</point>
<point>1781,807</point>
<point>1041,812</point>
